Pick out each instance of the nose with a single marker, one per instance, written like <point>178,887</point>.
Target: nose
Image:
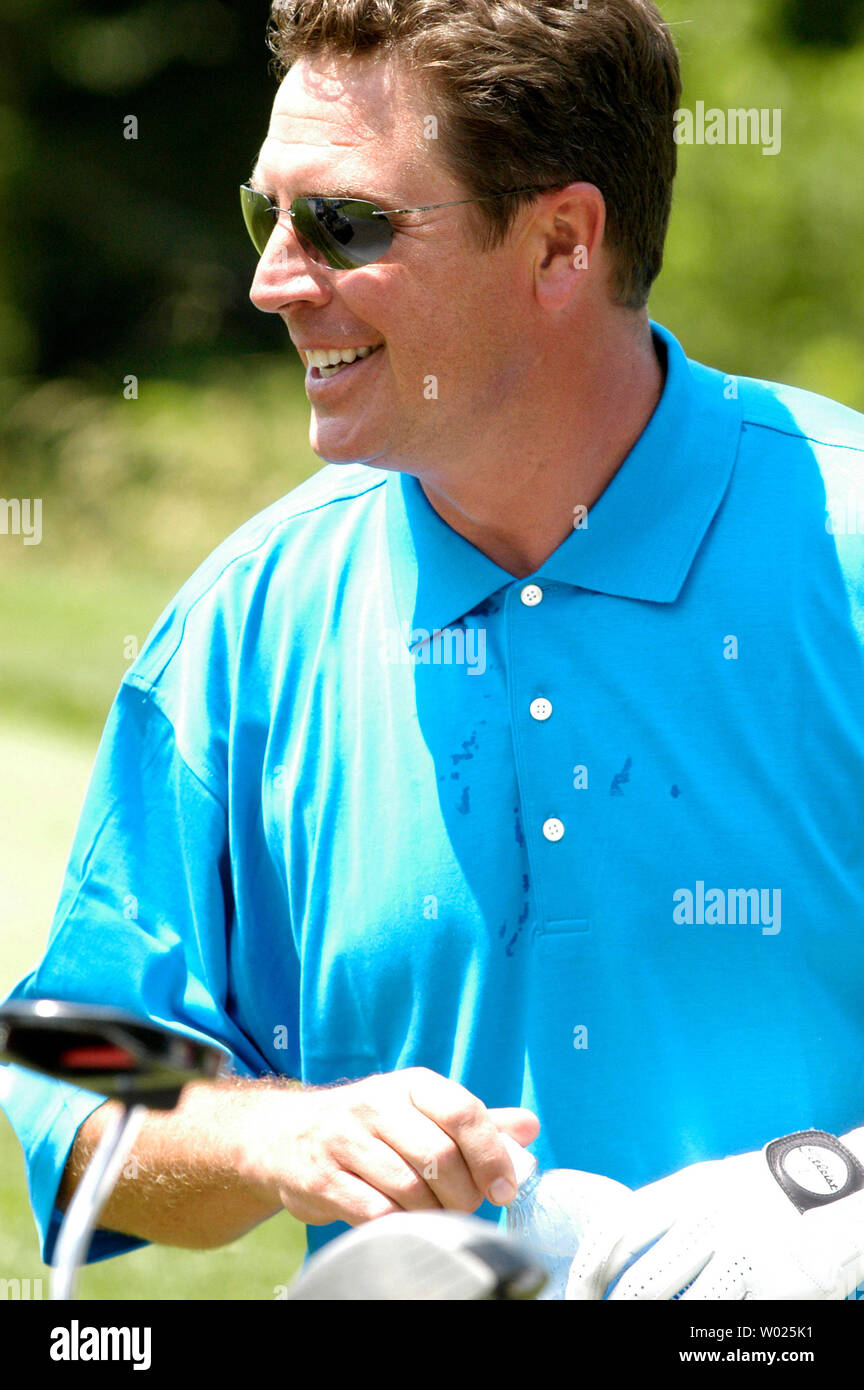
<point>285,273</point>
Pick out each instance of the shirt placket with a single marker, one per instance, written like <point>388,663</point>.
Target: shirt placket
<point>549,820</point>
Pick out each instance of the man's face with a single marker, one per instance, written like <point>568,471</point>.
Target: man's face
<point>449,324</point>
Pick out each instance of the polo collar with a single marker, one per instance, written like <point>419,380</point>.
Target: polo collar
<point>641,535</point>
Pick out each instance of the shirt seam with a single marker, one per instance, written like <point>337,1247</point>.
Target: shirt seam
<point>802,434</point>
<point>235,559</point>
<point>151,693</point>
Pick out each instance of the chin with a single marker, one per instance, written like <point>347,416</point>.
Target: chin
<point>346,453</point>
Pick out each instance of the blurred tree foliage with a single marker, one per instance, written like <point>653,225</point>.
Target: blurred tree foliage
<point>763,269</point>
<point>126,251</point>
<point>128,254</point>
<point>822,23</point>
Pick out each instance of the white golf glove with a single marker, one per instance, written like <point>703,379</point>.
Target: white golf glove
<point>783,1223</point>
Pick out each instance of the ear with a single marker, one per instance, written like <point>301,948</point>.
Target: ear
<point>567,238</point>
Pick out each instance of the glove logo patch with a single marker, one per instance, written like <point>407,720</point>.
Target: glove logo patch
<point>818,1170</point>
<point>814,1168</point>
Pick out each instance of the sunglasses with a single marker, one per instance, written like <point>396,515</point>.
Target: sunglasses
<point>343,233</point>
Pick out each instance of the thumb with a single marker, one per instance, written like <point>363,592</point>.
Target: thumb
<point>522,1125</point>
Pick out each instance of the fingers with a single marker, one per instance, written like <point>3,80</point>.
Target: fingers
<point>364,1178</point>
<point>470,1126</point>
<point>441,1177</point>
<point>669,1265</point>
<point>724,1280</point>
<point>406,1141</point>
<point>346,1198</point>
<point>649,1216</point>
<point>589,1275</point>
<point>602,1252</point>
<point>522,1125</point>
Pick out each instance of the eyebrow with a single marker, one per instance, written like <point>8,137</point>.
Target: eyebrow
<point>380,199</point>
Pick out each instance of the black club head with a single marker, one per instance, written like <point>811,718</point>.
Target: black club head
<point>104,1049</point>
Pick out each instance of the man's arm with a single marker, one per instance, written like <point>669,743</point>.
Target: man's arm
<point>234,1153</point>
<point>181,1185</point>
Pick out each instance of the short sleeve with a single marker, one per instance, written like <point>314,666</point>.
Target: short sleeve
<point>143,923</point>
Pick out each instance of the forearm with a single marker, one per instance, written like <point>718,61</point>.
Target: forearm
<point>182,1183</point>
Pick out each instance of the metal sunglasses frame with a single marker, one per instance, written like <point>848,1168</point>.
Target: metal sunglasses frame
<point>377,211</point>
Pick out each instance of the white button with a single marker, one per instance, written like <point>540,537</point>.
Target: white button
<point>553,829</point>
<point>531,595</point>
<point>541,709</point>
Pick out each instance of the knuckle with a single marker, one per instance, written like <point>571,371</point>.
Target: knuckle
<point>410,1185</point>
<point>363,1113</point>
<point>421,1074</point>
<point>318,1181</point>
<point>443,1158</point>
<point>374,1210</point>
<point>466,1110</point>
<point>363,1106</point>
<point>468,1202</point>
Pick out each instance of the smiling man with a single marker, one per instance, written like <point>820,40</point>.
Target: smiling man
<point>554,359</point>
<point>421,910</point>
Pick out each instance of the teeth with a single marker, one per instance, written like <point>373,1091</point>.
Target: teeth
<point>331,357</point>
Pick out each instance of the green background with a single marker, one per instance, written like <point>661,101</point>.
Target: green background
<point>122,257</point>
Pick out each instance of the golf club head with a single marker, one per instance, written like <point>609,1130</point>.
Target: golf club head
<point>104,1049</point>
<point>415,1256</point>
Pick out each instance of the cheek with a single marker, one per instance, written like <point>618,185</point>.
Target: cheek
<point>430,315</point>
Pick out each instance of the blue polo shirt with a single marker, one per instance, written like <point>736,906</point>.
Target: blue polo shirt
<point>589,841</point>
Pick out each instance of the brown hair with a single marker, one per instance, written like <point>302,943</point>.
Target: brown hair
<point>545,93</point>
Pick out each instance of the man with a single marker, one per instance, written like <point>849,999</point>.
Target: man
<point>507,773</point>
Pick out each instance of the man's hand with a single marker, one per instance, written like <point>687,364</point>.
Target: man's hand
<point>725,1229</point>
<point>402,1141</point>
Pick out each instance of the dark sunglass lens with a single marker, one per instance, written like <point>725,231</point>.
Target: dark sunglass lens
<point>311,234</point>
<point>351,232</point>
<point>340,232</point>
<point>331,217</point>
<point>315,221</point>
<point>259,214</point>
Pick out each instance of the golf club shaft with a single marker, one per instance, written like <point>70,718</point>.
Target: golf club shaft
<point>90,1196</point>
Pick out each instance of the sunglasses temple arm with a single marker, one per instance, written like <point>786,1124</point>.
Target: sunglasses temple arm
<point>427,207</point>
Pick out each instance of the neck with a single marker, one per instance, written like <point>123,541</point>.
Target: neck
<point>552,452</point>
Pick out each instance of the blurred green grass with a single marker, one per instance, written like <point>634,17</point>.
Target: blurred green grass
<point>62,635</point>
<point>151,483</point>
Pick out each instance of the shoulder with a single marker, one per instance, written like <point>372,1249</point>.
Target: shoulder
<point>816,447</point>
<point>791,411</point>
<point>319,523</point>
<point>333,499</point>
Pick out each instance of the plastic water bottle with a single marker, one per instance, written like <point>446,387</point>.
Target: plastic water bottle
<point>547,1213</point>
